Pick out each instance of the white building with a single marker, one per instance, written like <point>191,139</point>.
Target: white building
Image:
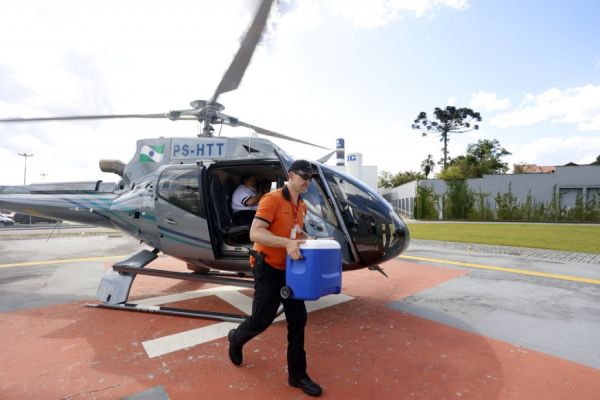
<point>564,185</point>
<point>353,166</point>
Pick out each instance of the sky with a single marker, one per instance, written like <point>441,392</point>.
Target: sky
<point>361,70</point>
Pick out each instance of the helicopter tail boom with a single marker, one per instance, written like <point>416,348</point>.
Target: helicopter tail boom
<point>83,208</point>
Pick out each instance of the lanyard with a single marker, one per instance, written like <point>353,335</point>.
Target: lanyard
<point>295,210</point>
<point>296,228</point>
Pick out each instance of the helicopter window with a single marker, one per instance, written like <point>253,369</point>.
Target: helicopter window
<point>321,220</point>
<point>356,204</point>
<point>180,187</point>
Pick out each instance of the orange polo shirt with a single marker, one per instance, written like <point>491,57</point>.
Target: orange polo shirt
<point>281,215</point>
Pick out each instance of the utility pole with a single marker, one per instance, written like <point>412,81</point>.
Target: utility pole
<point>25,173</point>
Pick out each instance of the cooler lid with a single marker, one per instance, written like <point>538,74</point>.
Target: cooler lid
<point>320,244</point>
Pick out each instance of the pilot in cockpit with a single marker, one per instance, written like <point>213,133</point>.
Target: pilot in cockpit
<point>245,200</point>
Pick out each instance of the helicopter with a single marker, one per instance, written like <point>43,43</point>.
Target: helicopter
<point>174,195</point>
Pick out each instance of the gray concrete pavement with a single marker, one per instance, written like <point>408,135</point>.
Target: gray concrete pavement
<point>519,259</point>
<point>553,316</point>
<point>45,231</point>
<point>542,254</point>
<point>41,284</point>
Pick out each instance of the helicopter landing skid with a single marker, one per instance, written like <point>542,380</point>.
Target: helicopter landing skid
<point>114,288</point>
<point>180,312</point>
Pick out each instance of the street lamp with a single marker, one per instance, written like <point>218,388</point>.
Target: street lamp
<point>25,173</point>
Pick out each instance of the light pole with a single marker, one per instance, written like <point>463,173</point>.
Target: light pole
<point>25,173</point>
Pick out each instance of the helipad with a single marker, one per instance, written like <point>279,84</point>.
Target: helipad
<point>423,333</point>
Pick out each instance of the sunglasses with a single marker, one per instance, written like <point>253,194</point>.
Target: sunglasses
<point>306,177</point>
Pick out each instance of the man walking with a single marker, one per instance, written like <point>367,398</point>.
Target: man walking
<point>277,231</point>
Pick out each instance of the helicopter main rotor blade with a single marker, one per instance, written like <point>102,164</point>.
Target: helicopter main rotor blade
<point>267,132</point>
<point>235,72</point>
<point>326,157</point>
<point>86,117</point>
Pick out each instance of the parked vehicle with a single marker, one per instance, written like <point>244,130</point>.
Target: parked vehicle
<point>5,220</point>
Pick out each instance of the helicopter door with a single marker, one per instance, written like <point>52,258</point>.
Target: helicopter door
<point>321,219</point>
<point>181,214</point>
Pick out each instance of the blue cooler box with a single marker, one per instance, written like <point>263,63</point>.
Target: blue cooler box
<point>319,273</point>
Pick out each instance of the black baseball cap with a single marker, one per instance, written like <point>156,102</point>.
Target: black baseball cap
<point>302,166</point>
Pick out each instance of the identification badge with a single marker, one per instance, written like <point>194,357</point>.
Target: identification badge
<point>295,230</point>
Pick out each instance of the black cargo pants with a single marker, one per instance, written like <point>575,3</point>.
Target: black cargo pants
<point>267,283</point>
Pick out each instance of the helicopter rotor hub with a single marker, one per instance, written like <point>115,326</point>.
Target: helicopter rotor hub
<point>204,105</point>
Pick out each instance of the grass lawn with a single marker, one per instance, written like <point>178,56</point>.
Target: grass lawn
<point>542,236</point>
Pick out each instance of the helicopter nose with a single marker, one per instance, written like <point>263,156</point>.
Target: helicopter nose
<point>379,236</point>
<point>397,235</point>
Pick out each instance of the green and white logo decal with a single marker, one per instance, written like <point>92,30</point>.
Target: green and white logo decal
<point>152,153</point>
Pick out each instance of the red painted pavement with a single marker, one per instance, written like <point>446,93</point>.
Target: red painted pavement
<point>359,349</point>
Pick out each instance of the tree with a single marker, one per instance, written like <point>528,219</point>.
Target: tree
<point>597,162</point>
<point>384,180</point>
<point>458,199</point>
<point>426,203</point>
<point>427,165</point>
<point>519,168</point>
<point>388,180</point>
<point>447,121</point>
<point>482,158</point>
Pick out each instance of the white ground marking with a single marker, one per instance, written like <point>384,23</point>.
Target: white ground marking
<point>183,340</point>
<point>173,298</point>
<point>168,344</point>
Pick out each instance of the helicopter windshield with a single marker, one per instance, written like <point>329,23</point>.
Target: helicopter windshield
<point>376,230</point>
<point>320,219</point>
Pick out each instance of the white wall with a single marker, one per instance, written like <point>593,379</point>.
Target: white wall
<point>402,198</point>
<point>567,181</point>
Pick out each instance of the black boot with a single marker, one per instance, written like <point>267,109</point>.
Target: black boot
<point>235,352</point>
<point>307,385</point>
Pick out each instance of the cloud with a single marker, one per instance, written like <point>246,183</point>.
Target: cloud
<point>305,15</point>
<point>11,90</point>
<point>371,14</point>
<point>108,56</point>
<point>556,151</point>
<point>579,105</point>
<point>409,148</point>
<point>488,102</point>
